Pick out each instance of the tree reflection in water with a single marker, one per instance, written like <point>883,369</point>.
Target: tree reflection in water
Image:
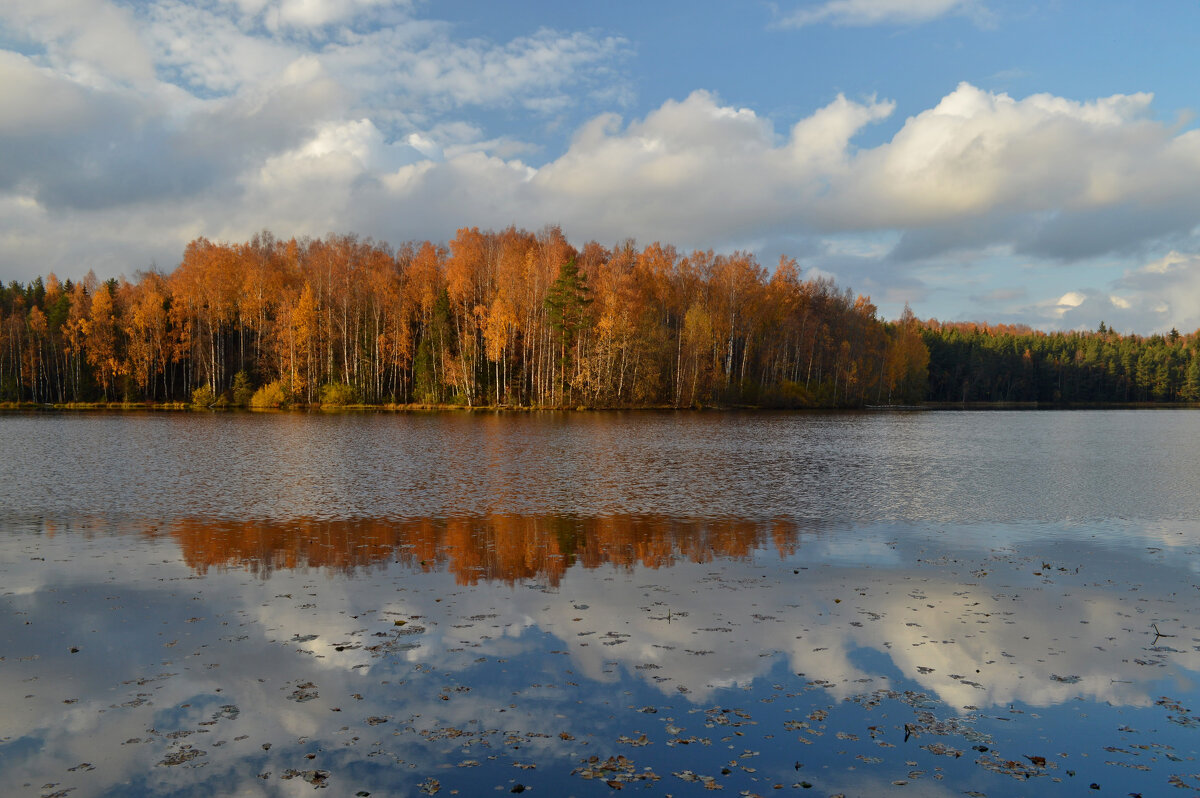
<point>500,548</point>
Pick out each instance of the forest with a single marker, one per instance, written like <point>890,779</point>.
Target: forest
<point>493,319</point>
<point>999,363</point>
<point>520,319</point>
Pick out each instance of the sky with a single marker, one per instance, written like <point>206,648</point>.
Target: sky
<point>1011,161</point>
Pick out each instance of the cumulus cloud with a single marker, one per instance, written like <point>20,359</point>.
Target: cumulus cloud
<point>881,12</point>
<point>978,152</point>
<point>977,170</point>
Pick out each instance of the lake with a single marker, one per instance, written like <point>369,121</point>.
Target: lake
<point>924,603</point>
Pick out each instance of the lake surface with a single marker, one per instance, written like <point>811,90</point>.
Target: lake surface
<point>932,603</point>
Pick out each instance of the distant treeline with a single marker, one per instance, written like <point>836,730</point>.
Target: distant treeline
<point>495,318</point>
<point>1001,363</point>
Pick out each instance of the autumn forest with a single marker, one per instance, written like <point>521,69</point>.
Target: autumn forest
<point>519,319</point>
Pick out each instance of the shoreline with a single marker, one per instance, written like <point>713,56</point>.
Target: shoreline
<point>177,407</point>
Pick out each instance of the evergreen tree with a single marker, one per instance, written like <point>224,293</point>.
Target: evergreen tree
<point>567,305</point>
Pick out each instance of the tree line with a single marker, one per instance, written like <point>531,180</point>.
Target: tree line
<point>1001,363</point>
<point>519,319</point>
<point>508,318</point>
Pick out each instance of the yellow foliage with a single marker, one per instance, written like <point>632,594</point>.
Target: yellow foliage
<point>273,394</point>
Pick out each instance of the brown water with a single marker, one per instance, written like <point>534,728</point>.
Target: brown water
<point>924,604</point>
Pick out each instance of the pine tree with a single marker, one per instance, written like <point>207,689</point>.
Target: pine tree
<point>567,305</point>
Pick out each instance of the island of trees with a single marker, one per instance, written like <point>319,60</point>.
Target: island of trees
<point>518,319</point>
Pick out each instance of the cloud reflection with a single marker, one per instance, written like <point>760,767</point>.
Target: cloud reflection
<point>702,605</point>
<point>390,652</point>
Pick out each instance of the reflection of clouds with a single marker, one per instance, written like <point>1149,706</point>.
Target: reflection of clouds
<point>978,643</point>
<point>940,633</point>
<point>124,684</point>
<point>974,649</point>
<point>986,642</point>
<point>935,611</point>
<point>256,674</point>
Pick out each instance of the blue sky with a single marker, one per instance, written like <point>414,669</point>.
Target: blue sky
<point>1022,162</point>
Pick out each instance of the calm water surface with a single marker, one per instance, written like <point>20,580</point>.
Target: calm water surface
<point>918,604</point>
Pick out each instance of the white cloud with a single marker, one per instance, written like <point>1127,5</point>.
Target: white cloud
<point>881,12</point>
<point>95,41</point>
<point>1173,263</point>
<point>231,99</point>
<point>211,52</point>
<point>983,168</point>
<point>316,13</point>
<point>1071,299</point>
<point>1166,290</point>
<point>338,150</point>
<point>305,16</point>
<point>424,145</point>
<point>35,101</point>
<point>424,64</point>
<point>976,153</point>
<point>823,139</point>
<point>1156,297</point>
<point>309,186</point>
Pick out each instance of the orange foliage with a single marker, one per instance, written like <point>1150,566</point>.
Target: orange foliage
<point>466,323</point>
